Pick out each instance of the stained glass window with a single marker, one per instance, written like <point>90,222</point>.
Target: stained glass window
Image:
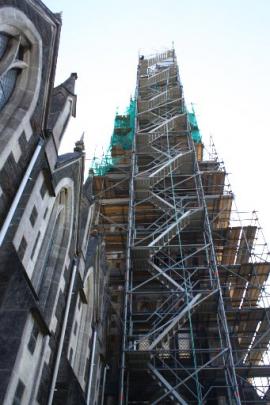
<point>3,43</point>
<point>7,85</point>
<point>8,79</point>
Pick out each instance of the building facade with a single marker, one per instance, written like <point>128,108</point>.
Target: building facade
<point>52,269</point>
<point>141,285</point>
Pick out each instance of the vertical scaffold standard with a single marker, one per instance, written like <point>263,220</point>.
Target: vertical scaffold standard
<point>123,134</point>
<point>189,320</point>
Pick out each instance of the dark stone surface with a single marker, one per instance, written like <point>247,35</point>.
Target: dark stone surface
<point>59,98</point>
<point>12,323</point>
<point>43,392</point>
<point>9,177</point>
<point>68,391</point>
<point>49,27</point>
<point>18,298</point>
<point>4,380</point>
<point>67,158</point>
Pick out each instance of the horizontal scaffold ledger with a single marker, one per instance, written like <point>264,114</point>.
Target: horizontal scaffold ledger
<point>189,289</point>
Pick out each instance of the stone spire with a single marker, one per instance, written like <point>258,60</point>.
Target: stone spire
<point>69,84</point>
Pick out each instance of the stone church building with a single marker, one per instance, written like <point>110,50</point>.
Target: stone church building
<point>52,270</point>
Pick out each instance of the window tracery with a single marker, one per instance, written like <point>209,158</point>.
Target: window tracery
<point>11,64</point>
<point>3,43</point>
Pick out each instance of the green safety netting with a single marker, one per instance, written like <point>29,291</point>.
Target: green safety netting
<point>124,128</point>
<point>196,135</point>
<point>122,137</point>
<point>101,166</point>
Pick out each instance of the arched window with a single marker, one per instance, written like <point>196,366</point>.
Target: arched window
<point>54,247</point>
<point>7,85</point>
<point>20,73</point>
<point>3,43</point>
<point>83,318</point>
<point>11,64</point>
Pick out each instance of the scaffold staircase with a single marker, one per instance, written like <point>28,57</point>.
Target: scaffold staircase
<point>158,77</point>
<point>167,96</point>
<point>160,202</point>
<point>166,236</point>
<point>163,277</point>
<point>166,169</point>
<point>176,323</point>
<point>174,312</point>
<point>190,280</point>
<point>178,220</point>
<point>165,385</point>
<point>161,239</point>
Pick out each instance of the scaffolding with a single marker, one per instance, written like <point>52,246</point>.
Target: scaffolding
<point>122,138</point>
<point>189,273</point>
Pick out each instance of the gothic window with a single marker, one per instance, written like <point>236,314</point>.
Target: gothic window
<point>51,256</point>
<point>3,44</point>
<point>11,64</point>
<point>83,330</point>
<point>20,72</point>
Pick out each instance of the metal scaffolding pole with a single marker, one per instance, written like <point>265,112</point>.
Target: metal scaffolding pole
<point>196,325</point>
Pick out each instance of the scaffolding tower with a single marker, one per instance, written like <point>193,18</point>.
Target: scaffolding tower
<point>189,273</point>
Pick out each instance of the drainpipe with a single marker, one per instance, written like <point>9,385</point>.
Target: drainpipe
<point>63,331</point>
<point>91,369</point>
<point>19,193</point>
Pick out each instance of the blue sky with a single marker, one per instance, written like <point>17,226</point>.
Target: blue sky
<point>223,51</point>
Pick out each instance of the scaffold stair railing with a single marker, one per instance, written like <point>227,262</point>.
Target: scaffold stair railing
<point>176,323</point>
<point>178,303</point>
<point>165,329</point>
<point>165,170</point>
<point>160,202</point>
<point>166,236</point>
<point>172,94</point>
<point>162,56</point>
<point>169,167</point>
<point>164,277</point>
<point>164,127</point>
<point>156,78</point>
<point>168,388</point>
